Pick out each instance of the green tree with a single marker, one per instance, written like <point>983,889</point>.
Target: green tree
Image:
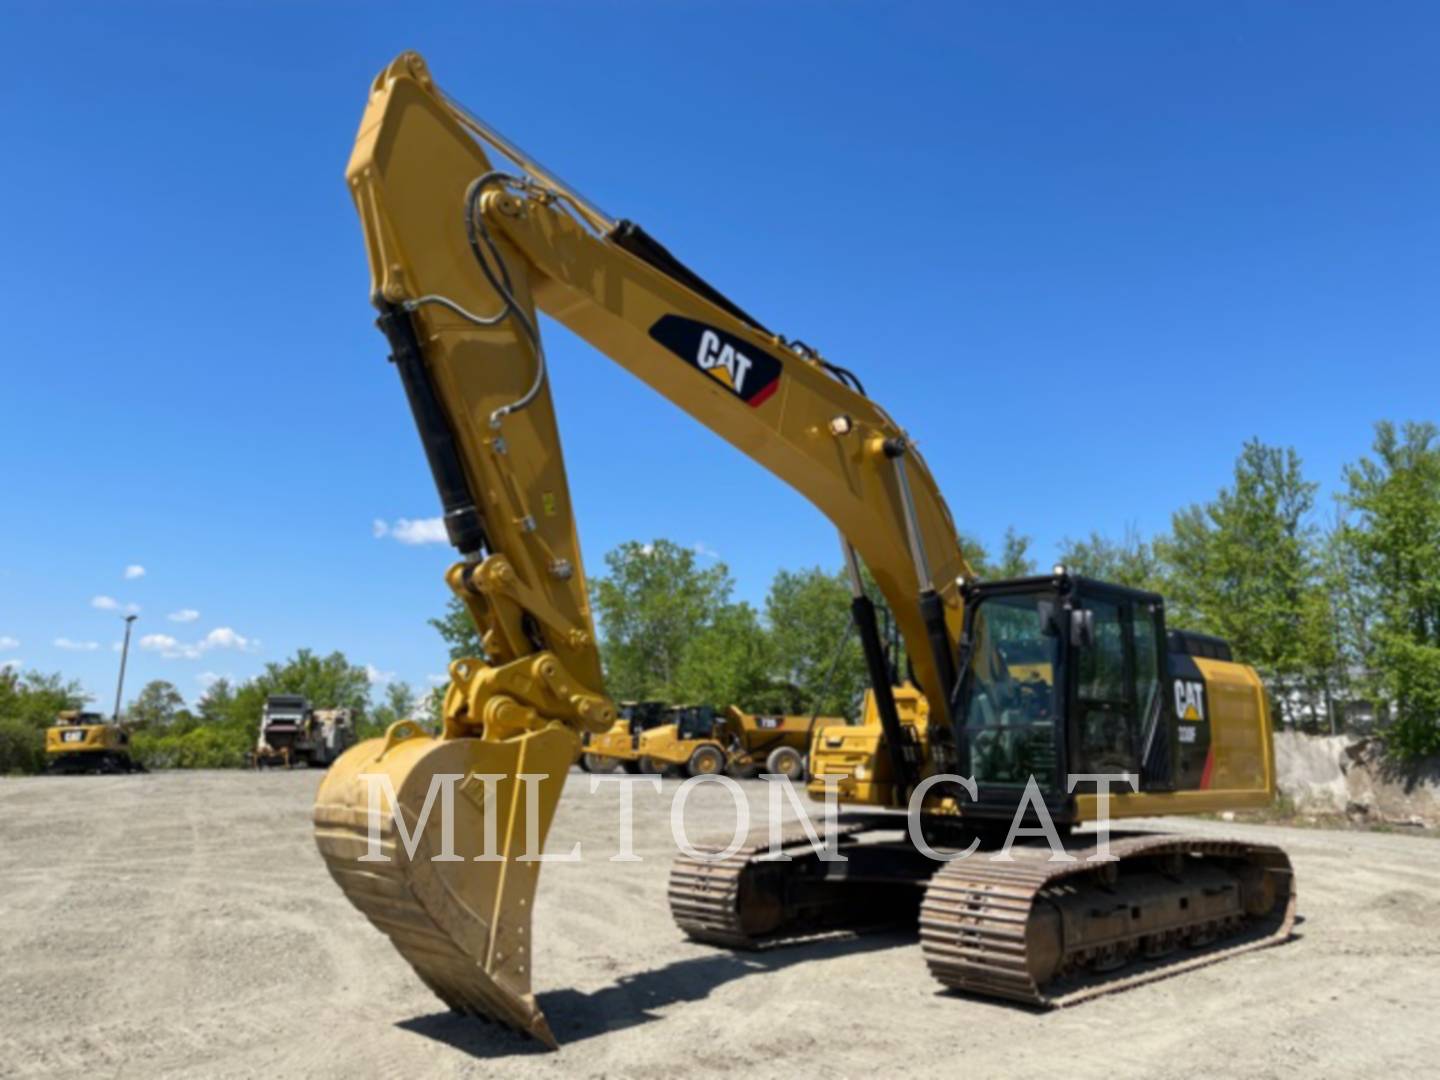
<point>399,704</point>
<point>976,555</point>
<point>157,706</point>
<point>217,703</point>
<point>458,630</point>
<point>29,703</point>
<point>654,599</point>
<point>327,682</point>
<point>1015,560</point>
<point>814,652</point>
<point>1131,560</point>
<point>1245,566</point>
<point>728,662</point>
<point>1393,539</point>
<point>432,707</point>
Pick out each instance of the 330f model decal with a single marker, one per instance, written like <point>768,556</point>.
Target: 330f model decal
<point>748,373</point>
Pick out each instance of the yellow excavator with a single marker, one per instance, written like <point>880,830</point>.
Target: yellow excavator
<point>85,742</point>
<point>1038,692</point>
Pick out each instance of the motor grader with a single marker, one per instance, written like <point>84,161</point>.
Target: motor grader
<point>1050,700</point>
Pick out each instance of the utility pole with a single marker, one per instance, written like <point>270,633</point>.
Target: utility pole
<point>124,655</point>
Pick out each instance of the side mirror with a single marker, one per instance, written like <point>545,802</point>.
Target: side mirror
<point>1082,628</point>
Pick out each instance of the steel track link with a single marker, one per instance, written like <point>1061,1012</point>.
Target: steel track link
<point>705,893</point>
<point>976,917</point>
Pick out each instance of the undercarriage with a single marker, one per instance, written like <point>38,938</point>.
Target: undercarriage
<point>1027,925</point>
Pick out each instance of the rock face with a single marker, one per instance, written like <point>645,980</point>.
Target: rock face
<point>1347,775</point>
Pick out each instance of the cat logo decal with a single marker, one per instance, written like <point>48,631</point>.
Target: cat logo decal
<point>749,373</point>
<point>1190,700</point>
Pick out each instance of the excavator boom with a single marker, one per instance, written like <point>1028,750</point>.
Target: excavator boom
<point>468,238</point>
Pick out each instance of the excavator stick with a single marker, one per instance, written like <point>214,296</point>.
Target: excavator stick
<point>437,842</point>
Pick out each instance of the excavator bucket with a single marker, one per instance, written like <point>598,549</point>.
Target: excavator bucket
<point>437,842</point>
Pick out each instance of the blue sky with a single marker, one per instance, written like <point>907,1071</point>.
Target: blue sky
<point>1080,251</point>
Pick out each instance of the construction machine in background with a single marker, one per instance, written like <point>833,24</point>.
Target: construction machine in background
<point>700,742</point>
<point>619,747</point>
<point>85,742</point>
<point>1037,690</point>
<point>292,733</point>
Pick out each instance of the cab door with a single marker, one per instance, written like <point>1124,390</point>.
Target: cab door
<point>1117,713</point>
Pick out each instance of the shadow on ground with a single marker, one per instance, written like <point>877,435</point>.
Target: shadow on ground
<point>575,1015</point>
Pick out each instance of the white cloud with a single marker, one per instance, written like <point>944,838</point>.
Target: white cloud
<point>105,603</point>
<point>76,646</point>
<point>438,680</point>
<point>8,642</point>
<point>376,676</point>
<point>133,571</point>
<point>188,614</point>
<point>222,637</point>
<point>11,665</point>
<point>704,550</point>
<point>411,530</point>
<point>208,679</point>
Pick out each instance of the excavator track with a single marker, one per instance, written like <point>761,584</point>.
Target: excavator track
<point>738,902</point>
<point>1056,933</point>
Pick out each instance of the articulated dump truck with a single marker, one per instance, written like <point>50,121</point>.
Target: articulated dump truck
<point>1052,700</point>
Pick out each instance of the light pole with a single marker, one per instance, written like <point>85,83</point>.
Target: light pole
<point>124,655</point>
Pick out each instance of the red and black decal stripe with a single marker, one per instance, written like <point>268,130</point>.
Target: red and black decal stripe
<point>749,373</point>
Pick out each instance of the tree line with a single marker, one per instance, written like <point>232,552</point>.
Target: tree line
<point>1332,612</point>
<point>218,732</point>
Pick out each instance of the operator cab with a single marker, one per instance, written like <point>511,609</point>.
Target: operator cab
<point>76,718</point>
<point>1063,675</point>
<point>694,721</point>
<point>642,715</point>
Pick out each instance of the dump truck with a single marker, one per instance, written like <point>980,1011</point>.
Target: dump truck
<point>292,733</point>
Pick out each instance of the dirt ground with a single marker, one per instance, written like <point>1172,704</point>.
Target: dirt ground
<point>182,924</point>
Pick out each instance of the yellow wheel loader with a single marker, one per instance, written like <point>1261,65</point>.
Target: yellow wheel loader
<point>1049,699</point>
<point>699,742</point>
<point>619,747</point>
<point>84,742</point>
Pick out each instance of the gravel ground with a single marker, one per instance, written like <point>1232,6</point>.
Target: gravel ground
<point>182,924</point>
